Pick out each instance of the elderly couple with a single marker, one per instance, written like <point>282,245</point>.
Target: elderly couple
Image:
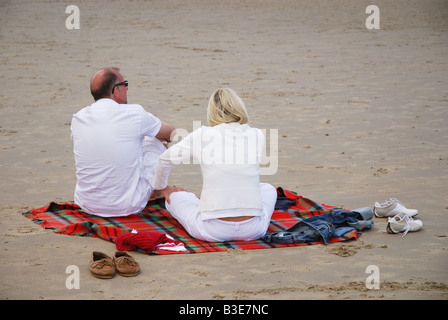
<point>122,160</point>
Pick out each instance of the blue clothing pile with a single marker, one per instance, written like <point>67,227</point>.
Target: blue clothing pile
<point>324,226</point>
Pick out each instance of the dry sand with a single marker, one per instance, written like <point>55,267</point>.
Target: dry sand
<point>362,116</point>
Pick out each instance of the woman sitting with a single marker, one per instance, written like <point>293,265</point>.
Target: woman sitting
<point>233,205</point>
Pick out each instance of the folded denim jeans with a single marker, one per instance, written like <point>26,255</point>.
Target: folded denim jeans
<point>324,226</point>
<point>366,221</point>
<point>303,231</point>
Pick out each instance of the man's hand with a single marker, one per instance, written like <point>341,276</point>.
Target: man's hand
<point>169,190</point>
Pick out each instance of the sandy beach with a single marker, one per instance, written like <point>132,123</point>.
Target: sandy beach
<point>361,116</point>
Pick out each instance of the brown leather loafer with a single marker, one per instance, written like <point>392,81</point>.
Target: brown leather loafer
<point>126,264</point>
<point>101,265</point>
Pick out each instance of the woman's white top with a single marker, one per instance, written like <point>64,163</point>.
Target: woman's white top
<point>229,155</point>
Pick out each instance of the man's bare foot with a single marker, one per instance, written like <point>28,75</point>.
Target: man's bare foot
<point>169,190</point>
<point>156,194</point>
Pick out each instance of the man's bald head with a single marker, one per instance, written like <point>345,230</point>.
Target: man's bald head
<point>103,81</point>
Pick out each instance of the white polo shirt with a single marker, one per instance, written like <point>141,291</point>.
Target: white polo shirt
<point>108,149</point>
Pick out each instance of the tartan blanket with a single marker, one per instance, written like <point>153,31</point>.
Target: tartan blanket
<point>70,219</point>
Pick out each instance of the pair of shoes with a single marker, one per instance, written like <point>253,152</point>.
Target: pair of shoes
<point>403,222</point>
<point>391,208</point>
<point>400,217</point>
<point>104,267</point>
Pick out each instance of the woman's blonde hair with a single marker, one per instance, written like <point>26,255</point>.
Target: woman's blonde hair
<point>226,106</point>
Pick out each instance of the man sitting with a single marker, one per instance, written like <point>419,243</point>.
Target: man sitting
<point>116,147</point>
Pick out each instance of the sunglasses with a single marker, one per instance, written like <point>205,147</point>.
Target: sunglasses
<point>124,83</point>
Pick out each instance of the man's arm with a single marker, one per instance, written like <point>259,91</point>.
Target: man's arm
<point>165,132</point>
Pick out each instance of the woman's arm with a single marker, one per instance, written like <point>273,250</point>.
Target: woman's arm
<point>176,154</point>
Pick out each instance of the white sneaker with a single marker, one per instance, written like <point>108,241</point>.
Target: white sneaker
<point>403,222</point>
<point>391,208</point>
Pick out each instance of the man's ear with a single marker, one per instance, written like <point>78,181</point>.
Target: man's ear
<point>114,92</point>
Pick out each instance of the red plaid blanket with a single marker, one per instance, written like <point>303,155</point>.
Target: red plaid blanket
<point>69,219</point>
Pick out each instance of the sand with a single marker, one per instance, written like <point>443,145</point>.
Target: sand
<point>361,116</point>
